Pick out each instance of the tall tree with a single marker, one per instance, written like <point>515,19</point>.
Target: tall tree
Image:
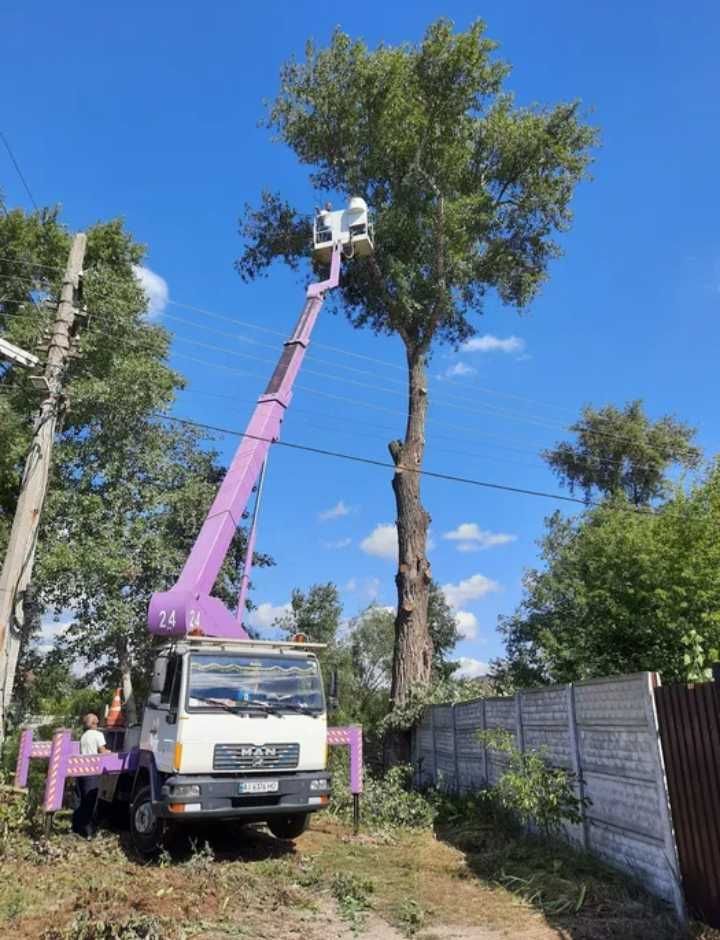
<point>468,191</point>
<point>316,613</point>
<point>621,451</point>
<point>622,591</point>
<point>127,494</point>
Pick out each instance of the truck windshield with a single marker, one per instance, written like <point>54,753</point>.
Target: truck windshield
<point>262,682</point>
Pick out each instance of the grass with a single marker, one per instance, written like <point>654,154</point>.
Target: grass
<point>465,879</point>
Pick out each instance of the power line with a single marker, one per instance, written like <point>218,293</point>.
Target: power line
<point>389,466</point>
<point>351,428</point>
<point>346,352</point>
<point>485,410</point>
<point>19,171</point>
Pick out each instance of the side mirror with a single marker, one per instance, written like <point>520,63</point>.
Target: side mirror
<point>333,695</point>
<point>159,675</point>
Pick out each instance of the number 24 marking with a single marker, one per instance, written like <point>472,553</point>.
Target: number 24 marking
<point>168,622</point>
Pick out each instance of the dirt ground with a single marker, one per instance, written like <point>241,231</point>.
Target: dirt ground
<point>243,883</point>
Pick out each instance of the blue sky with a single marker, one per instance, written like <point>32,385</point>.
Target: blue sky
<point>150,111</point>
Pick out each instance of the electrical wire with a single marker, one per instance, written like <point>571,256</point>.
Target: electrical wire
<point>19,171</point>
<point>485,410</point>
<point>448,477</point>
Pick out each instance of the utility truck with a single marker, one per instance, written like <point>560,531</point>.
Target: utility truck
<point>233,728</point>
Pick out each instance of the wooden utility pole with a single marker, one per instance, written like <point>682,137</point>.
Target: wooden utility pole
<point>20,556</point>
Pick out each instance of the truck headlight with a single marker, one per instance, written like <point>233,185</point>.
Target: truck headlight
<point>320,783</point>
<point>185,790</point>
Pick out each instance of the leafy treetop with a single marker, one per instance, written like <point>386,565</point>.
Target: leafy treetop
<point>466,187</point>
<point>621,451</point>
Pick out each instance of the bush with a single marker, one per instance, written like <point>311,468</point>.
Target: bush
<point>387,800</point>
<point>532,790</point>
<point>13,814</point>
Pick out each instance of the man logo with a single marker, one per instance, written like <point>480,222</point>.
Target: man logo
<point>258,753</point>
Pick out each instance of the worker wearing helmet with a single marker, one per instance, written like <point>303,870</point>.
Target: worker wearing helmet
<point>92,742</point>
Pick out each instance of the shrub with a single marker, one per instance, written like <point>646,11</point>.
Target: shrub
<point>532,790</point>
<point>387,800</point>
<point>13,814</point>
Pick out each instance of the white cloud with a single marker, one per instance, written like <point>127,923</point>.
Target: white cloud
<point>371,588</point>
<point>335,512</point>
<point>265,615</point>
<point>458,368</point>
<point>156,290</point>
<point>489,343</point>
<point>367,587</point>
<point>471,538</point>
<point>382,541</point>
<point>472,668</point>
<point>471,589</point>
<point>339,543</point>
<point>466,624</point>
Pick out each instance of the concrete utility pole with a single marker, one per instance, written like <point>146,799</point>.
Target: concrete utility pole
<point>20,556</point>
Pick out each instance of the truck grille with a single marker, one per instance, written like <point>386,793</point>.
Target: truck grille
<point>256,756</point>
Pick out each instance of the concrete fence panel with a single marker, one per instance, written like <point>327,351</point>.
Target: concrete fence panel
<point>605,732</point>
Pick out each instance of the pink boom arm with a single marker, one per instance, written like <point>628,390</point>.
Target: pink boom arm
<point>188,606</point>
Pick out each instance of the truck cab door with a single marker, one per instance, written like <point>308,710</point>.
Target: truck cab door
<point>160,724</point>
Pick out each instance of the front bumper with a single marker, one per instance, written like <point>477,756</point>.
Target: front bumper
<point>219,797</point>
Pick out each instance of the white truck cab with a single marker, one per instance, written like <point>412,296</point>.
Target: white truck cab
<point>232,728</point>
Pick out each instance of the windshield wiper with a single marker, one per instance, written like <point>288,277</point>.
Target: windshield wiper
<point>297,707</point>
<point>234,709</point>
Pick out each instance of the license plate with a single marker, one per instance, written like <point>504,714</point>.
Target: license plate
<point>258,786</point>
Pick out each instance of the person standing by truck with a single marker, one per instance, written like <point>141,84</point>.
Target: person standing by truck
<point>92,742</point>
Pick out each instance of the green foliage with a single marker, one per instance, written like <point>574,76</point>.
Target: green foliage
<point>529,788</point>
<point>410,917</point>
<point>442,692</point>
<point>622,591</point>
<point>352,892</point>
<point>316,613</point>
<point>534,889</point>
<point>466,187</point>
<point>623,452</point>
<point>388,801</point>
<point>13,813</point>
<point>127,493</point>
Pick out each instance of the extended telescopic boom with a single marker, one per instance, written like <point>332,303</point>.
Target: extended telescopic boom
<point>187,608</point>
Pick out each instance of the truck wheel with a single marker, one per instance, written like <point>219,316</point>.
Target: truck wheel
<point>288,827</point>
<point>146,830</point>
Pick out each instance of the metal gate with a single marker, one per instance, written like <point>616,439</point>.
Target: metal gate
<point>689,720</point>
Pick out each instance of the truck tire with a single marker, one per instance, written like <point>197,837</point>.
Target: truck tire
<point>288,827</point>
<point>146,830</point>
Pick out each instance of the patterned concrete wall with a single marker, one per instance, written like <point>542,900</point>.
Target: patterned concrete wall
<point>605,732</point>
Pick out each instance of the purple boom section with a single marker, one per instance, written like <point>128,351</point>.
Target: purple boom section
<point>187,607</point>
<point>350,737</point>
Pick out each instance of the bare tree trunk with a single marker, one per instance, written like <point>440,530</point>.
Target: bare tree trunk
<point>412,660</point>
<point>131,716</point>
